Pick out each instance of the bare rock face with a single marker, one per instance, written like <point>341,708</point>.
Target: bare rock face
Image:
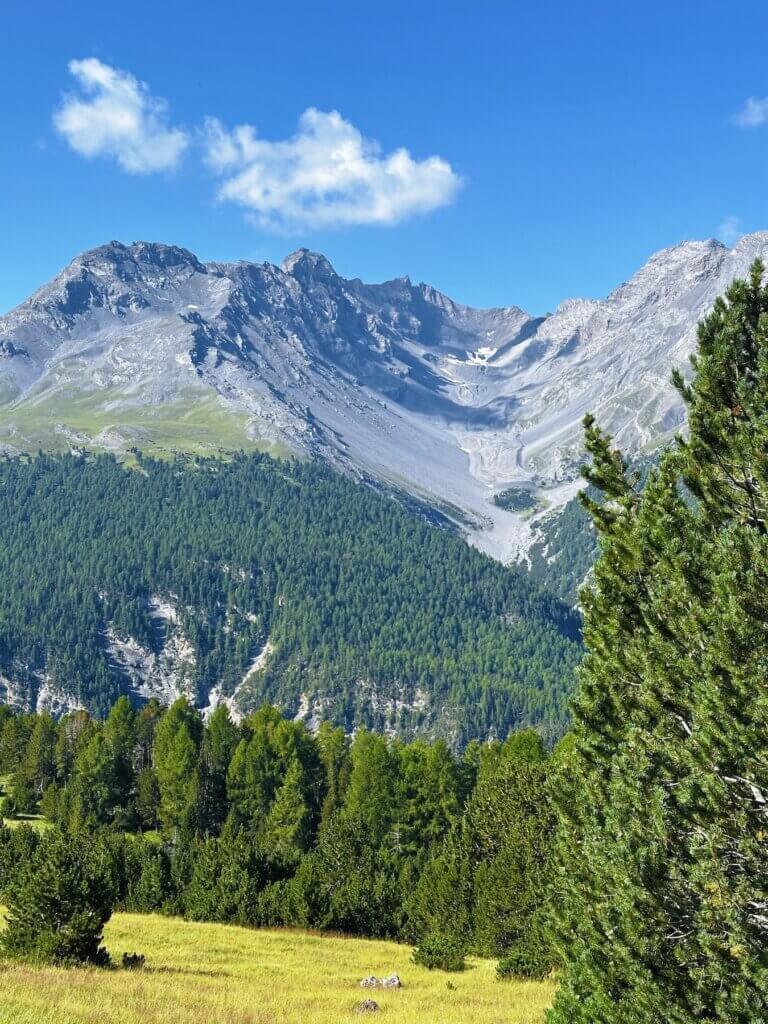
<point>394,381</point>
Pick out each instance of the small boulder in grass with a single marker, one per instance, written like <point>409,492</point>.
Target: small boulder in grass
<point>393,981</point>
<point>367,1006</point>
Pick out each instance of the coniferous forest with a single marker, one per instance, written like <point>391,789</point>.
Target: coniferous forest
<point>265,824</point>
<point>374,616</point>
<point>631,861</point>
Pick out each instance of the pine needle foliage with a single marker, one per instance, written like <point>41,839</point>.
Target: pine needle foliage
<point>58,903</point>
<point>662,858</point>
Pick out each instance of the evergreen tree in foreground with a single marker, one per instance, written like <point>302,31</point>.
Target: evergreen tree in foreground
<point>58,903</point>
<point>662,861</point>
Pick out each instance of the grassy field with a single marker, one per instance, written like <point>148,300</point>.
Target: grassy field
<point>218,974</point>
<point>196,424</point>
<point>36,821</point>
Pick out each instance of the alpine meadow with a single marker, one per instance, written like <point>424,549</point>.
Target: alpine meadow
<point>369,647</point>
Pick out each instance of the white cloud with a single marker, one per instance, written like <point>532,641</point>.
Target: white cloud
<point>115,115</point>
<point>753,113</point>
<point>730,230</point>
<point>326,175</point>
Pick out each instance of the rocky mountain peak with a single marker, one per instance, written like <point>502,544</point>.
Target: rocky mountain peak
<point>393,381</point>
<point>751,246</point>
<point>305,265</point>
<point>138,261</point>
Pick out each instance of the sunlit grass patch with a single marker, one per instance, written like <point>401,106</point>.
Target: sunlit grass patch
<point>206,973</point>
<point>35,821</point>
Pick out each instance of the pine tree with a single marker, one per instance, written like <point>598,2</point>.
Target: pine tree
<point>228,874</point>
<point>37,769</point>
<point>58,903</point>
<point>510,827</point>
<point>74,732</point>
<point>429,796</point>
<point>372,791</point>
<point>146,726</point>
<point>441,903</point>
<point>150,889</point>
<point>333,747</point>
<point>219,741</point>
<point>147,799</point>
<point>663,846</point>
<point>50,802</point>
<point>354,882</point>
<point>202,897</point>
<point>23,797</point>
<point>256,769</point>
<point>13,741</point>
<point>93,796</point>
<point>120,737</point>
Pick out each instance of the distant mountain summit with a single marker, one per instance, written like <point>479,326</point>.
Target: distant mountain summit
<point>144,346</point>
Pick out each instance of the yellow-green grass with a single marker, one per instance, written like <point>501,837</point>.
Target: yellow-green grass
<point>219,974</point>
<point>35,821</point>
<point>197,422</point>
<point>40,823</point>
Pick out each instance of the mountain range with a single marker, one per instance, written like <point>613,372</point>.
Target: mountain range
<point>145,346</point>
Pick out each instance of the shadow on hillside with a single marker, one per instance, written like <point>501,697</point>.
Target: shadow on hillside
<point>200,972</point>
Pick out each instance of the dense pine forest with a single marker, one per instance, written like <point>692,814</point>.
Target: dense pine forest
<point>264,823</point>
<point>376,617</point>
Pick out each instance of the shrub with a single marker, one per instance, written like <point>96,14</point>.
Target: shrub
<point>524,960</point>
<point>440,951</point>
<point>133,961</point>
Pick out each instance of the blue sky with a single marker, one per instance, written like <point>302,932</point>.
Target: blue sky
<point>504,152</point>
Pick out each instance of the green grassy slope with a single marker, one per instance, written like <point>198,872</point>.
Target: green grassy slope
<point>197,423</point>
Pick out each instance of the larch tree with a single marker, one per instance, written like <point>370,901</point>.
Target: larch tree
<point>177,742</point>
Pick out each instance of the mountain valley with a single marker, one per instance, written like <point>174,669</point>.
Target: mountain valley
<point>145,347</point>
